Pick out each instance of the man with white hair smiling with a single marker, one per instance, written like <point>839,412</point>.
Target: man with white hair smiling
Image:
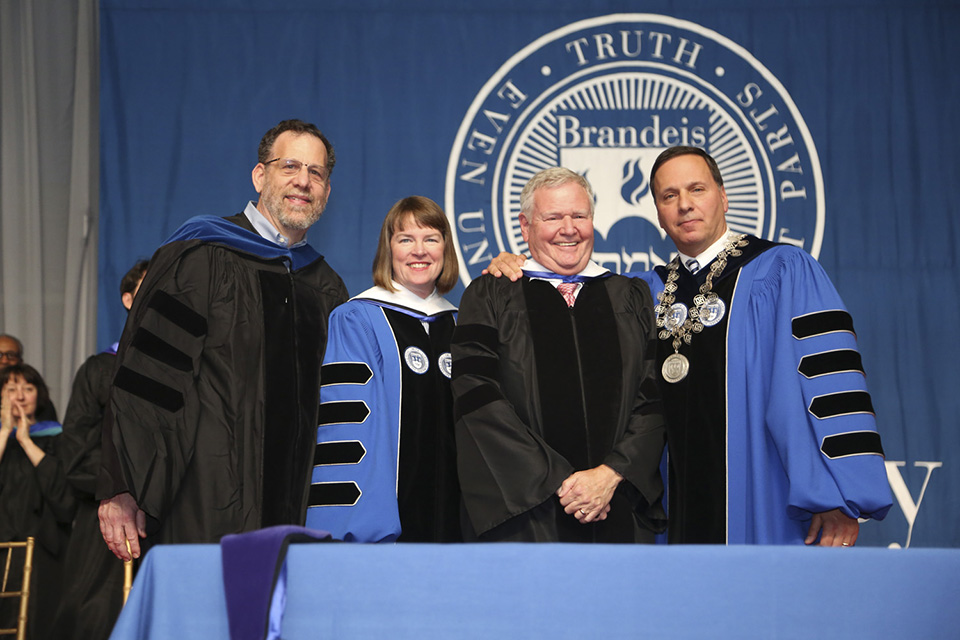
<point>558,424</point>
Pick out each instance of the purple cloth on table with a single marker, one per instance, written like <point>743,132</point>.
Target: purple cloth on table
<point>254,578</point>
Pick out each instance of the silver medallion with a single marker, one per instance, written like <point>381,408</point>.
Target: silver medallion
<point>712,312</point>
<point>446,364</point>
<point>675,368</point>
<point>416,360</point>
<point>676,316</point>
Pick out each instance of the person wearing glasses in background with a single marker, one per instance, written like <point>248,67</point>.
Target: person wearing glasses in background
<point>211,425</point>
<point>11,350</point>
<point>11,353</point>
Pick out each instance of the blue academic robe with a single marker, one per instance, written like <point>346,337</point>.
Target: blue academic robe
<point>385,468</point>
<point>784,400</point>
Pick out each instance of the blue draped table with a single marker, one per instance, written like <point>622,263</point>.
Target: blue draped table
<point>346,591</point>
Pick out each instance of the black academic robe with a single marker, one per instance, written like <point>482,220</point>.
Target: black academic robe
<point>93,576</point>
<point>542,390</point>
<point>34,502</point>
<point>212,419</point>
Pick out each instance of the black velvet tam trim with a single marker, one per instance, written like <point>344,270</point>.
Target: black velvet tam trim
<point>477,334</point>
<point>345,373</point>
<point>179,313</point>
<point>838,361</point>
<point>815,324</point>
<point>149,389</point>
<point>347,412</point>
<point>840,404</point>
<point>475,399</point>
<point>160,350</point>
<point>334,494</point>
<point>857,443</point>
<point>486,366</point>
<point>349,452</point>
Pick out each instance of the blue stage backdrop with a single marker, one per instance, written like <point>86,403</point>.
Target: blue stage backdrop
<point>834,124</point>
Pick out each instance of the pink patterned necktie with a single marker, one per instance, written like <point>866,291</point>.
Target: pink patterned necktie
<point>566,290</point>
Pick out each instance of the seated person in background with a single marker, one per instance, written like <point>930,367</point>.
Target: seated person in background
<point>33,497</point>
<point>558,423</point>
<point>93,593</point>
<point>385,463</point>
<point>11,352</point>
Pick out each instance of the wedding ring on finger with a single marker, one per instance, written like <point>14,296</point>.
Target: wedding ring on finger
<point>582,511</point>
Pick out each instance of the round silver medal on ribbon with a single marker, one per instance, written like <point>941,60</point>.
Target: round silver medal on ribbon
<point>675,368</point>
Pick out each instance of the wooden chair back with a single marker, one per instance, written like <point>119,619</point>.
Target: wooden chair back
<point>23,590</point>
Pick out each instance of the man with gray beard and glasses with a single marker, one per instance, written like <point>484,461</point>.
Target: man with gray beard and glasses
<point>211,425</point>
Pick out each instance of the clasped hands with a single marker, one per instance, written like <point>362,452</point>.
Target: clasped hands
<point>586,494</point>
<point>22,423</point>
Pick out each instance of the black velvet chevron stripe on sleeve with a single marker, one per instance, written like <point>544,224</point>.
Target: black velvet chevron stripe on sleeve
<point>345,373</point>
<point>155,347</point>
<point>149,389</point>
<point>839,404</point>
<point>330,494</point>
<point>822,322</point>
<point>179,313</point>
<point>480,334</point>
<point>485,366</point>
<point>858,443</point>
<point>347,452</point>
<point>475,399</point>
<point>349,412</point>
<point>837,361</point>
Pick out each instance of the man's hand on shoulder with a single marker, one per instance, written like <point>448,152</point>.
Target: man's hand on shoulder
<point>506,264</point>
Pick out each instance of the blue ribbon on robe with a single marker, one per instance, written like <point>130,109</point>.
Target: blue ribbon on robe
<point>42,429</point>
<point>550,275</point>
<point>220,231</point>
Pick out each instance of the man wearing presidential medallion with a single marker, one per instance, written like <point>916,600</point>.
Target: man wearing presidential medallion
<point>558,419</point>
<point>771,432</point>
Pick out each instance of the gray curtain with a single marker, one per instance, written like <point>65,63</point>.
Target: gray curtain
<point>49,156</point>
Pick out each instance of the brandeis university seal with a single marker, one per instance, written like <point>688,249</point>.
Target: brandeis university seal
<point>604,97</point>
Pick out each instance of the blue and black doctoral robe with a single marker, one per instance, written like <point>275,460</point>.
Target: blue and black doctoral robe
<point>385,468</point>
<point>773,423</point>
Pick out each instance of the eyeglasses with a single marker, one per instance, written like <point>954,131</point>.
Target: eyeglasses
<point>290,167</point>
<point>13,356</point>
